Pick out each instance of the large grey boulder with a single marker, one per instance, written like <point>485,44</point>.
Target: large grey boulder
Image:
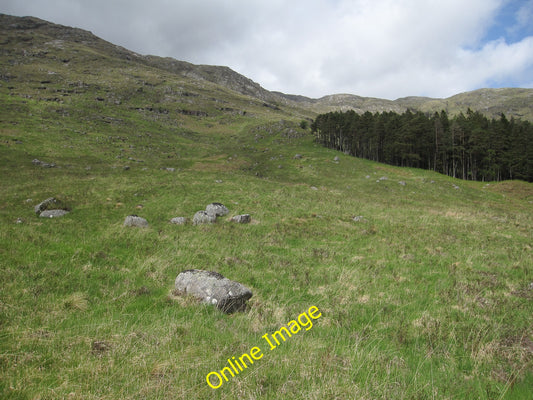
<point>134,220</point>
<point>216,209</point>
<point>203,217</point>
<point>213,288</point>
<point>53,213</point>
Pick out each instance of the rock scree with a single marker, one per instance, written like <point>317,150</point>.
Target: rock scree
<point>213,288</point>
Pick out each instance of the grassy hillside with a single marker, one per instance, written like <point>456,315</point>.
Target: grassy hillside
<point>427,296</point>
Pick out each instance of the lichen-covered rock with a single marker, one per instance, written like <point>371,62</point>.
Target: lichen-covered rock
<point>179,220</point>
<point>134,220</point>
<point>53,213</point>
<point>203,217</point>
<point>50,204</point>
<point>216,209</point>
<point>242,219</point>
<point>213,288</point>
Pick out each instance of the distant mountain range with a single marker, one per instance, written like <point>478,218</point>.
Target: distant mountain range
<point>491,102</point>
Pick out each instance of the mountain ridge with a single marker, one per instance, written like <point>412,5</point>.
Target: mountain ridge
<point>514,102</point>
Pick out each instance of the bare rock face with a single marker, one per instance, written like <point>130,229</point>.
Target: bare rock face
<point>242,219</point>
<point>203,217</point>
<point>213,288</point>
<point>134,220</point>
<point>216,209</point>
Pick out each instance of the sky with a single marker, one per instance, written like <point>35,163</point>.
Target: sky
<point>375,48</point>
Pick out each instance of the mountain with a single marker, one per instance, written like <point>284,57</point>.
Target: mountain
<point>35,32</point>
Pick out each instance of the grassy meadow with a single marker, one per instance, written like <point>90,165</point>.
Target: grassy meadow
<point>428,296</point>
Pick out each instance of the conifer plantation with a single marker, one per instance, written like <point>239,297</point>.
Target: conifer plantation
<point>469,146</point>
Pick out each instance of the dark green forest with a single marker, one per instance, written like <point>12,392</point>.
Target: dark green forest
<point>469,146</point>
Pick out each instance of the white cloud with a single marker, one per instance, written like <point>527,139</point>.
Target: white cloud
<point>380,48</point>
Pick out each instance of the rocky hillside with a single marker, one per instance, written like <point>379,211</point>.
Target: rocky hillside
<point>20,32</point>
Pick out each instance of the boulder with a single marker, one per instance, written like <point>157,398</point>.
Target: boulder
<point>134,220</point>
<point>242,219</point>
<point>213,288</point>
<point>53,213</point>
<point>178,220</point>
<point>50,203</point>
<point>216,209</point>
<point>203,217</point>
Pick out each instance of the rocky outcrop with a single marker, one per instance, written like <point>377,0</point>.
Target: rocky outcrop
<point>213,288</point>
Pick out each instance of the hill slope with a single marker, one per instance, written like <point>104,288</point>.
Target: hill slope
<point>423,282</point>
<point>491,102</point>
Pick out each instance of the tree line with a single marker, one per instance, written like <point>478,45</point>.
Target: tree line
<point>469,146</point>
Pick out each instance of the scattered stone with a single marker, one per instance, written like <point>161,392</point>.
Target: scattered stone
<point>456,187</point>
<point>216,209</point>
<point>179,220</point>
<point>359,218</point>
<point>53,213</point>
<point>42,164</point>
<point>203,217</point>
<point>367,177</point>
<point>218,181</point>
<point>126,168</point>
<point>134,220</point>
<point>314,188</point>
<point>242,219</point>
<point>19,221</point>
<point>336,159</point>
<point>170,169</point>
<point>213,288</point>
<point>402,183</point>
<point>298,157</point>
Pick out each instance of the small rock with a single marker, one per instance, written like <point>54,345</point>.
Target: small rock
<point>203,217</point>
<point>126,168</point>
<point>178,220</point>
<point>53,213</point>
<point>336,159</point>
<point>213,288</point>
<point>19,221</point>
<point>242,219</point>
<point>314,188</point>
<point>402,183</point>
<point>42,164</point>
<point>359,218</point>
<point>217,209</point>
<point>134,220</point>
<point>170,169</point>
<point>298,157</point>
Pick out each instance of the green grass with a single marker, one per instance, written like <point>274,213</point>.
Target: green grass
<point>428,297</point>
